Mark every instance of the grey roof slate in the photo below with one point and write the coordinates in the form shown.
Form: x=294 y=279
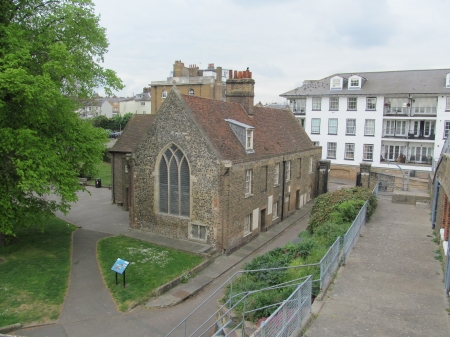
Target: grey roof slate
x=380 y=83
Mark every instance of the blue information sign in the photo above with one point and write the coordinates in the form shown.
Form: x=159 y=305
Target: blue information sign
x=120 y=266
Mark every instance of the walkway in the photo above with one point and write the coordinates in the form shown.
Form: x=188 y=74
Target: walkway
x=392 y=284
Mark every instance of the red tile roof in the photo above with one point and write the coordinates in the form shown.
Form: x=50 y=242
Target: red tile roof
x=133 y=133
x=276 y=131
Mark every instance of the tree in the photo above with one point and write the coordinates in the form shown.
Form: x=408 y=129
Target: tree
x=120 y=121
x=50 y=53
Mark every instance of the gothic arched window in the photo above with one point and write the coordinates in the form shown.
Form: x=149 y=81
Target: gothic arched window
x=174 y=183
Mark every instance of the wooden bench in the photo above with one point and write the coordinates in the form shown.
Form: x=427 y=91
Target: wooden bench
x=82 y=181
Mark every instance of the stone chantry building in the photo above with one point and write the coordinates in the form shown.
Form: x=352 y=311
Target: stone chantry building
x=220 y=172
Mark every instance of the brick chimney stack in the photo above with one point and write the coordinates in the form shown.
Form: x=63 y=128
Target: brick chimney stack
x=241 y=89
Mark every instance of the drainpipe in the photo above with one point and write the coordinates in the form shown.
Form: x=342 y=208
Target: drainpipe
x=434 y=207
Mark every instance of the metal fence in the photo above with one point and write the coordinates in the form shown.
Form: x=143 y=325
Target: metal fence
x=447 y=273
x=290 y=315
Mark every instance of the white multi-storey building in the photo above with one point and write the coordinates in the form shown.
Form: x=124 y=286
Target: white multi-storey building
x=379 y=117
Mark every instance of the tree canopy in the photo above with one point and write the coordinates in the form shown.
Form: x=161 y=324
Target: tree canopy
x=50 y=57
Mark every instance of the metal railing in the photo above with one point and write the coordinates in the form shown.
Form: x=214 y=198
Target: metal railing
x=291 y=314
x=352 y=234
x=423 y=111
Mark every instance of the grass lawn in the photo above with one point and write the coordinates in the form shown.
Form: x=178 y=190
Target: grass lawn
x=150 y=267
x=104 y=173
x=34 y=276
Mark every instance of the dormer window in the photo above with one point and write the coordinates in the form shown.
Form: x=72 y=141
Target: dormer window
x=244 y=133
x=354 y=82
x=447 y=81
x=336 y=82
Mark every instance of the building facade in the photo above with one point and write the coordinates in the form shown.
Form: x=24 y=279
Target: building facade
x=378 y=117
x=220 y=172
x=191 y=80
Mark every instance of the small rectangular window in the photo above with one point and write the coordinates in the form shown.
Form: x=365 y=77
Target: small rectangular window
x=317 y=103
x=447 y=108
x=311 y=164
x=315 y=125
x=352 y=103
x=368 y=152
x=249 y=140
x=371 y=103
x=446 y=129
x=264 y=177
x=247 y=224
x=275 y=210
x=288 y=170
x=351 y=127
x=331 y=150
x=334 y=103
x=276 y=174
x=369 y=127
x=316 y=143
x=198 y=232
x=248 y=182
x=142 y=103
x=332 y=126
x=354 y=82
x=349 y=151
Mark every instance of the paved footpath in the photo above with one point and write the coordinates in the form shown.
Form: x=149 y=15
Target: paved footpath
x=391 y=285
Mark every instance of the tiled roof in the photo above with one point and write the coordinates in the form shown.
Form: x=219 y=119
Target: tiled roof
x=133 y=133
x=380 y=83
x=276 y=131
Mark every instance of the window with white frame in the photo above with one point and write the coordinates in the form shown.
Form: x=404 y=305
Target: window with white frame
x=247 y=224
x=311 y=164
x=315 y=125
x=288 y=170
x=164 y=94
x=392 y=152
x=368 y=152
x=142 y=103
x=198 y=232
x=369 y=127
x=336 y=83
x=301 y=120
x=317 y=103
x=316 y=143
x=334 y=103
x=349 y=151
x=332 y=126
x=331 y=150
x=301 y=105
x=446 y=129
x=191 y=92
x=447 y=107
x=371 y=103
x=275 y=210
x=249 y=140
x=276 y=174
x=352 y=103
x=354 y=83
x=248 y=182
x=351 y=127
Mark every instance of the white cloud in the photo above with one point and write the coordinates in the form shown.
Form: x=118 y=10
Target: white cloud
x=283 y=42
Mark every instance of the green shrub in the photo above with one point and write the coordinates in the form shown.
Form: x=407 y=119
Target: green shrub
x=327 y=234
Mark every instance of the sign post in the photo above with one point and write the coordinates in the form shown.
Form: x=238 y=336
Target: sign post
x=119 y=267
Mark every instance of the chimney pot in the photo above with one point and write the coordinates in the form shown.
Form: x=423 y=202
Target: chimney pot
x=230 y=73
x=235 y=74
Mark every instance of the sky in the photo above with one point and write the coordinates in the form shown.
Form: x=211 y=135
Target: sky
x=283 y=42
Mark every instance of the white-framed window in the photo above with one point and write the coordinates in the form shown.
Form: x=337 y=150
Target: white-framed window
x=164 y=94
x=446 y=129
x=317 y=103
x=288 y=170
x=368 y=152
x=351 y=127
x=301 y=120
x=371 y=103
x=249 y=140
x=447 y=81
x=174 y=183
x=316 y=143
x=352 y=103
x=349 y=151
x=336 y=83
x=334 y=103
x=332 y=126
x=421 y=154
x=276 y=174
x=142 y=103
x=301 y=105
x=369 y=127
x=275 y=210
x=427 y=128
x=198 y=232
x=447 y=106
x=248 y=182
x=247 y=224
x=392 y=152
x=191 y=92
x=315 y=125
x=354 y=83
x=331 y=150
x=311 y=164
